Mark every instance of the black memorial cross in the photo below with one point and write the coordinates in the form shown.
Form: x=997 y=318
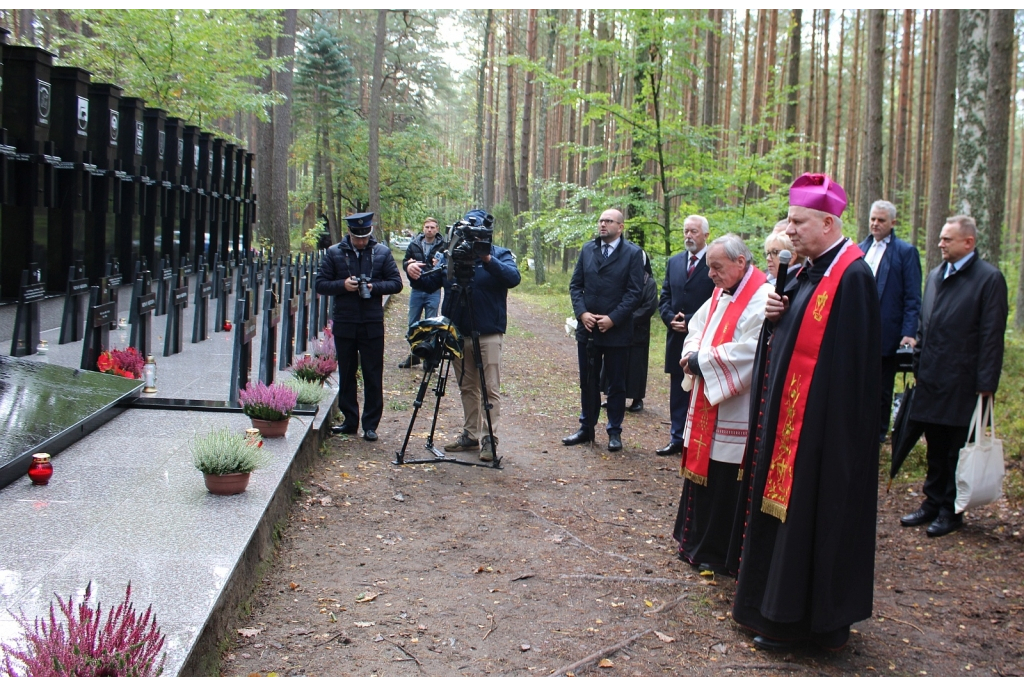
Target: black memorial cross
x=72 y=322
x=165 y=276
x=114 y=276
x=26 y=318
x=203 y=289
x=223 y=289
x=101 y=312
x=143 y=304
x=268 y=343
x=302 y=321
x=179 y=301
x=241 y=356
x=287 y=322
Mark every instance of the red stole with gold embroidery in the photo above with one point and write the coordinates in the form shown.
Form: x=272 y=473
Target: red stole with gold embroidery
x=704 y=415
x=779 y=486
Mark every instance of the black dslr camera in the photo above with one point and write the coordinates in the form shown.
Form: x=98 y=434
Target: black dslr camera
x=364 y=286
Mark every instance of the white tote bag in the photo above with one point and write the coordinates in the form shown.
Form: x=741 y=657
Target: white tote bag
x=979 y=471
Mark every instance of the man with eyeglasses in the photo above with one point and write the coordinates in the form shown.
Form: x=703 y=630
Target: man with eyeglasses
x=963 y=322
x=897 y=269
x=686 y=287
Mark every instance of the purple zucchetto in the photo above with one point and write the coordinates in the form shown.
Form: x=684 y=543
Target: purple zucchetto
x=818 y=191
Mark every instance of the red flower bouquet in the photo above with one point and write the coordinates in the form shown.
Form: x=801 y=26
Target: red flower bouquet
x=127 y=362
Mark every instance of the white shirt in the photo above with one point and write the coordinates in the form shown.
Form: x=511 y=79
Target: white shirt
x=611 y=246
x=875 y=252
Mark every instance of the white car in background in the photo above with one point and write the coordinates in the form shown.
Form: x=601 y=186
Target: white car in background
x=400 y=242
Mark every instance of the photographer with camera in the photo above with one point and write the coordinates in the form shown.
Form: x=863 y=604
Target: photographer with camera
x=487 y=271
x=419 y=257
x=358 y=272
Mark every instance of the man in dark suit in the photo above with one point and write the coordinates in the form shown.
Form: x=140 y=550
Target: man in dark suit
x=686 y=287
x=963 y=322
x=897 y=269
x=606 y=287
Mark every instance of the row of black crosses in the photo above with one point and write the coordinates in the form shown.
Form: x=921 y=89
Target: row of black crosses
x=289 y=300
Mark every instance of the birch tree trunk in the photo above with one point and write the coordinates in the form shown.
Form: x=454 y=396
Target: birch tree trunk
x=971 y=80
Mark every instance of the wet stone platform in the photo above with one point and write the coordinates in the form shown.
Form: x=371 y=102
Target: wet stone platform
x=125 y=503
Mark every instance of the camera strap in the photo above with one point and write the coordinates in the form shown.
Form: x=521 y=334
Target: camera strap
x=357 y=272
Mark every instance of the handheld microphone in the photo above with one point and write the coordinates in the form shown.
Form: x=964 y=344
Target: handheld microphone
x=783 y=275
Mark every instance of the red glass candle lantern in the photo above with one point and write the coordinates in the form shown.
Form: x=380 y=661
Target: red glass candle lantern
x=41 y=469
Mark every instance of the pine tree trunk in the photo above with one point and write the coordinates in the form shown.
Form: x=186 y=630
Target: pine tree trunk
x=282 y=133
x=265 y=151
x=490 y=135
x=939 y=172
x=929 y=26
x=823 y=119
x=793 y=83
x=725 y=117
x=478 y=146
x=871 y=163
x=377 y=85
x=997 y=120
x=527 y=128
x=971 y=80
x=839 y=95
x=711 y=80
x=853 y=115
x=601 y=86
x=903 y=122
x=745 y=78
x=891 y=121
x=753 y=190
x=511 y=189
x=541 y=168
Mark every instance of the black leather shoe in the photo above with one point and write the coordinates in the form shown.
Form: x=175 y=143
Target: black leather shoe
x=670 y=449
x=918 y=518
x=614 y=442
x=410 y=361
x=638 y=405
x=944 y=525
x=344 y=429
x=370 y=435
x=580 y=436
x=768 y=644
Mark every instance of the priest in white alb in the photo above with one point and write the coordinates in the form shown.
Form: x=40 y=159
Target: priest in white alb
x=718 y=359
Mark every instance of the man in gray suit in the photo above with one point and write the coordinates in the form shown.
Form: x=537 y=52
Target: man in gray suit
x=605 y=288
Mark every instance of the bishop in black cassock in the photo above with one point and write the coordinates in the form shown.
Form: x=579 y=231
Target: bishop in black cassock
x=804 y=542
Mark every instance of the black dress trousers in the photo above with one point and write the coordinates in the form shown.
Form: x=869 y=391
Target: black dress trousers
x=367 y=349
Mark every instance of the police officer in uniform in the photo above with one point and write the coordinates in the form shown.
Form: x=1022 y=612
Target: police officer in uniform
x=358 y=272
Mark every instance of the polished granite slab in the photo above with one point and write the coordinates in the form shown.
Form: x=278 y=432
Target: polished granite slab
x=44 y=408
x=126 y=504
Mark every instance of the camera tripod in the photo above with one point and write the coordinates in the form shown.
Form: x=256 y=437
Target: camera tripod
x=440 y=360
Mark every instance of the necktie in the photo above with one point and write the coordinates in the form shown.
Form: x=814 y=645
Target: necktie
x=606 y=249
x=693 y=265
x=951 y=270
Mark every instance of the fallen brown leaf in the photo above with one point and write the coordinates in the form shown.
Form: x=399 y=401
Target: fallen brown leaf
x=605 y=663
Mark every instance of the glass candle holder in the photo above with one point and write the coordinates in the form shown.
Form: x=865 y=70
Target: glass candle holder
x=41 y=469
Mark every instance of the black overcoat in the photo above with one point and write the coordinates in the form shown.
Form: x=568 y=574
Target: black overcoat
x=815 y=571
x=611 y=287
x=963 y=321
x=682 y=294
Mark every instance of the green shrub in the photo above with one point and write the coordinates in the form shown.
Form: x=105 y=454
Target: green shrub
x=309 y=392
x=222 y=451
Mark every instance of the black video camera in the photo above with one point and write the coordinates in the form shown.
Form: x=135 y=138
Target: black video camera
x=469 y=239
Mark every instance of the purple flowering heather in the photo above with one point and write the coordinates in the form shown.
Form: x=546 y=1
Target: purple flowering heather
x=270 y=403
x=324 y=348
x=314 y=369
x=126 y=645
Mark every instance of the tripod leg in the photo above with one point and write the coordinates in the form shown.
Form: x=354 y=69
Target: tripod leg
x=415 y=410
x=442 y=383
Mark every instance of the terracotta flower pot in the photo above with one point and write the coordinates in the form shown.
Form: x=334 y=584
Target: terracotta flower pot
x=271 y=429
x=228 y=484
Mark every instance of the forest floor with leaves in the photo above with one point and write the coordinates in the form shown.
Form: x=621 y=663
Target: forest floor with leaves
x=565 y=555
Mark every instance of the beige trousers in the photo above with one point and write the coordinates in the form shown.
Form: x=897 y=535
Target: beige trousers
x=475 y=420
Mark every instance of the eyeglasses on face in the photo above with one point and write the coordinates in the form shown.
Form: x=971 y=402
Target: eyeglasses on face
x=771 y=254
